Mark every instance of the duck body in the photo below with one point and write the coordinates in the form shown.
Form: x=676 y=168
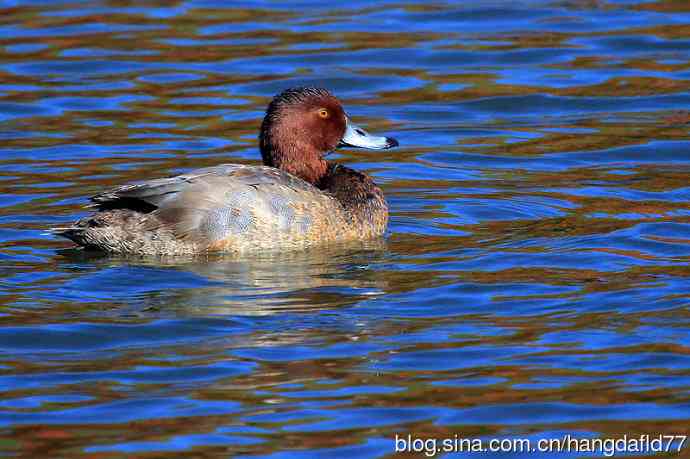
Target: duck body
x=304 y=201
x=232 y=208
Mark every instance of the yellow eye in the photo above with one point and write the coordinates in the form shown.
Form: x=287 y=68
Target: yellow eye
x=323 y=113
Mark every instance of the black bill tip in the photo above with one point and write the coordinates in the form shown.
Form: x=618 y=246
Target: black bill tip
x=391 y=142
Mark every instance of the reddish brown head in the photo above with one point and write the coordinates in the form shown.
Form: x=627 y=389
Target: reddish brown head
x=302 y=125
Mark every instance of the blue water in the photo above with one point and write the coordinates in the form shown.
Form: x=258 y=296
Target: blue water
x=534 y=281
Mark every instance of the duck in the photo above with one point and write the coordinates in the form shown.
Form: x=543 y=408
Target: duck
x=296 y=199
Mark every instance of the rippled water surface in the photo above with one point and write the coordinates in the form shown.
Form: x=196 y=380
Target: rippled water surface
x=534 y=281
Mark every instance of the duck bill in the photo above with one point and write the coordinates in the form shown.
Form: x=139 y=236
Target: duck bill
x=355 y=136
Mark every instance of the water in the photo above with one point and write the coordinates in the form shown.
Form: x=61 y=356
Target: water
x=534 y=282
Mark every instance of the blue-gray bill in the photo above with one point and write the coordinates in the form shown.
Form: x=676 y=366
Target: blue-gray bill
x=355 y=136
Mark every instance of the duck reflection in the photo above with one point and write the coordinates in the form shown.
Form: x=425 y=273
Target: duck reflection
x=256 y=284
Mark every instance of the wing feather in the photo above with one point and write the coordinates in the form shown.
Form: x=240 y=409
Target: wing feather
x=229 y=201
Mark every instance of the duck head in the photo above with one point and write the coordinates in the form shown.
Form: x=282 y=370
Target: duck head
x=302 y=125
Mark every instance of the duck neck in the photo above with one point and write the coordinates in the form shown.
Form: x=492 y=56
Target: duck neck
x=296 y=158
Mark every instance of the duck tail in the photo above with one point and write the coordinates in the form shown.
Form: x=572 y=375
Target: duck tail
x=121 y=231
x=86 y=231
x=73 y=233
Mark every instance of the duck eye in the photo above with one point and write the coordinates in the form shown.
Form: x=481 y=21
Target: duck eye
x=323 y=113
